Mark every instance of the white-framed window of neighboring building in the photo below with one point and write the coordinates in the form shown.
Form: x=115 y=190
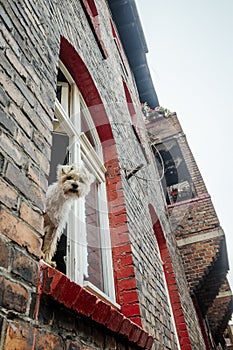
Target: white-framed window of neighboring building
x=84 y=250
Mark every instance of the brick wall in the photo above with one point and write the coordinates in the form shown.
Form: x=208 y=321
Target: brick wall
x=30 y=43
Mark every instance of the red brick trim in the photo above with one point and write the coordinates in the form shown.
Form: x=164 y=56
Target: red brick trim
x=92 y=13
x=118 y=46
x=55 y=284
x=130 y=105
x=201 y=322
x=133 y=116
x=180 y=322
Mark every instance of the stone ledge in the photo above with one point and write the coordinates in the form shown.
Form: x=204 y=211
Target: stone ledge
x=55 y=284
x=200 y=237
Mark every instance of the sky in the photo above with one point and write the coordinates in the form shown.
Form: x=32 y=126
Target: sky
x=190 y=58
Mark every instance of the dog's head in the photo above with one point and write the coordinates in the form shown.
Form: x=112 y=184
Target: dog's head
x=75 y=180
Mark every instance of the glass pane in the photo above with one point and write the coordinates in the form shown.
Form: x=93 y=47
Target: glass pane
x=59 y=89
x=63 y=91
x=95 y=267
x=84 y=125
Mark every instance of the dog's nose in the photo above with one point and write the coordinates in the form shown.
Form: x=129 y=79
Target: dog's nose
x=75 y=186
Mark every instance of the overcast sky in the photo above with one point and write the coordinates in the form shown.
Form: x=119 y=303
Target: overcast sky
x=191 y=62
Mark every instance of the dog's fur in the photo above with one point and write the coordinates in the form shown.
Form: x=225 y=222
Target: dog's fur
x=72 y=183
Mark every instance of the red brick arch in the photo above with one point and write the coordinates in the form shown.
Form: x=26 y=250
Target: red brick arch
x=180 y=323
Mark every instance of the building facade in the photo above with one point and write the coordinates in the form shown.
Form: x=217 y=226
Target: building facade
x=132 y=270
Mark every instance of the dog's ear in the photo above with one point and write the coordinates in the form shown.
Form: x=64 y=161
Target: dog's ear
x=62 y=170
x=89 y=176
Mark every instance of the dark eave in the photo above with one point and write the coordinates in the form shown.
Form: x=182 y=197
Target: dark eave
x=125 y=16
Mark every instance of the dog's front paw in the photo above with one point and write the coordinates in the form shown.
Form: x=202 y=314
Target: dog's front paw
x=48 y=260
x=52 y=263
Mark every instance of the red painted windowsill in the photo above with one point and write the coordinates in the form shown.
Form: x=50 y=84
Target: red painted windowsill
x=59 y=287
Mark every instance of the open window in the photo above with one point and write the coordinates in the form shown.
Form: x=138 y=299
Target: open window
x=84 y=250
x=177 y=182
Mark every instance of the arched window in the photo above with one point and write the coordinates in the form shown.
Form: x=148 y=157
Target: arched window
x=84 y=251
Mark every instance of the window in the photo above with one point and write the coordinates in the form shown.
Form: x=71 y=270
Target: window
x=84 y=250
x=177 y=182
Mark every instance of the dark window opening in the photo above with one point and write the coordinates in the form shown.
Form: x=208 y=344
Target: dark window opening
x=63 y=91
x=177 y=183
x=59 y=155
x=86 y=128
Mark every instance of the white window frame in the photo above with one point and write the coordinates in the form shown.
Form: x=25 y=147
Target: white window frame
x=80 y=149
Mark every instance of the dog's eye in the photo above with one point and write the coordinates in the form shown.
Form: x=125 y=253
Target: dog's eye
x=81 y=180
x=69 y=178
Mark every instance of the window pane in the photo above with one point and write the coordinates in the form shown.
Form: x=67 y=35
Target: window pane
x=95 y=267
x=84 y=125
x=63 y=91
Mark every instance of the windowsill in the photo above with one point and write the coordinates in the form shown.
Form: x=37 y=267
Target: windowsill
x=87 y=303
x=101 y=295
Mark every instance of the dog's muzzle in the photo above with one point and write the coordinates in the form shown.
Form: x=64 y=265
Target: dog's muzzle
x=74 y=188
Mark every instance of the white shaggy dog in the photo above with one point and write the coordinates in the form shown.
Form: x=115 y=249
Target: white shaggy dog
x=72 y=183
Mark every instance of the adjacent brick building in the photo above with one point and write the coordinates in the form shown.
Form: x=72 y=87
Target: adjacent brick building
x=198 y=233
x=135 y=262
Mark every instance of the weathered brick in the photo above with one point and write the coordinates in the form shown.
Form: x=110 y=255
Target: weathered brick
x=5 y=253
x=12 y=91
x=32 y=217
x=115 y=321
x=6 y=18
x=20 y=233
x=4 y=98
x=101 y=313
x=10 y=41
x=37 y=176
x=48 y=341
x=25 y=185
x=8 y=195
x=7 y=123
x=127 y=284
x=72 y=345
x=13 y=296
x=21 y=119
x=15 y=62
x=19 y=336
x=25 y=267
x=12 y=149
x=86 y=302
x=1 y=161
x=25 y=91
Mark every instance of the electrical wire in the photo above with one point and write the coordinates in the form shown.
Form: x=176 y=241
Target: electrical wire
x=142 y=178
